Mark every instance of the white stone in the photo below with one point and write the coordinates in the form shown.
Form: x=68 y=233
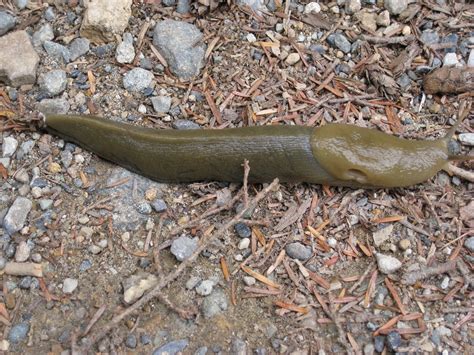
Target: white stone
x=249 y=281
x=352 y=6
x=387 y=264
x=470 y=60
x=205 y=288
x=395 y=7
x=450 y=59
x=467 y=138
x=312 y=8
x=251 y=37
x=9 y=146
x=244 y=243
x=69 y=285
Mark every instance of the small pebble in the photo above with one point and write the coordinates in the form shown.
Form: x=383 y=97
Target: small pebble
x=161 y=104
x=45 y=204
x=18 y=332
x=404 y=244
x=388 y=264
x=292 y=58
x=243 y=230
x=172 y=348
x=250 y=37
x=312 y=7
x=69 y=285
x=9 y=146
x=137 y=79
x=445 y=283
x=131 y=341
x=125 y=52
x=395 y=7
x=469 y=244
x=249 y=281
x=183 y=247
x=22 y=252
x=393 y=340
x=192 y=282
x=7 y=22
x=466 y=139
x=205 y=288
x=450 y=59
x=244 y=243
x=299 y=251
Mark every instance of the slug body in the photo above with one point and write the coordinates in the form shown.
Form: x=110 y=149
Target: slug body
x=334 y=154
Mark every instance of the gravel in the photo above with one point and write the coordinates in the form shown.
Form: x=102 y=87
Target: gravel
x=78 y=48
x=298 y=251
x=387 y=264
x=57 y=51
x=70 y=285
x=45 y=33
x=125 y=52
x=137 y=79
x=172 y=348
x=53 y=83
x=205 y=288
x=243 y=230
x=338 y=40
x=9 y=146
x=214 y=304
x=18 y=332
x=183 y=247
x=395 y=7
x=161 y=104
x=22 y=252
x=7 y=22
x=159 y=205
x=185 y=124
x=469 y=244
x=131 y=341
x=466 y=139
x=17 y=214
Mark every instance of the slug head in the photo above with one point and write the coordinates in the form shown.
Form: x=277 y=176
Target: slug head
x=363 y=157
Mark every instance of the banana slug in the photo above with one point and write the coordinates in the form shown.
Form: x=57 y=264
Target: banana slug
x=334 y=154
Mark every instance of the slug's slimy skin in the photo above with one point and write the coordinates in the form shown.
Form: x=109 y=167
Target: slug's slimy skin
x=334 y=154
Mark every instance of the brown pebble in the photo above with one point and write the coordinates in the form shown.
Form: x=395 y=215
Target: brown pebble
x=10 y=300
x=404 y=244
x=129 y=323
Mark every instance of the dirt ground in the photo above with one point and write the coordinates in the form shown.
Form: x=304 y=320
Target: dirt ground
x=336 y=300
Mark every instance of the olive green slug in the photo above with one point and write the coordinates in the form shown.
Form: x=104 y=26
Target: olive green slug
x=334 y=154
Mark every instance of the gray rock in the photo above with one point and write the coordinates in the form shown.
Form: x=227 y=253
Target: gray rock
x=176 y=41
x=66 y=158
x=393 y=340
x=352 y=6
x=159 y=205
x=192 y=282
x=21 y=4
x=45 y=33
x=18 y=332
x=17 y=214
x=256 y=5
x=7 y=22
x=19 y=60
x=168 y=2
x=137 y=79
x=183 y=6
x=52 y=106
x=6 y=163
x=369 y=349
x=57 y=51
x=172 y=348
x=22 y=252
x=470 y=60
x=243 y=230
x=214 y=304
x=70 y=285
x=125 y=52
x=143 y=207
x=395 y=7
x=338 y=40
x=9 y=146
x=469 y=244
x=467 y=138
x=387 y=264
x=201 y=351
x=49 y=14
x=161 y=104
x=53 y=83
x=78 y=48
x=238 y=347
x=429 y=37
x=185 y=124
x=183 y=247
x=131 y=341
x=124 y=217
x=379 y=343
x=439 y=332
x=382 y=235
x=3 y=262
x=298 y=251
x=205 y=288
x=45 y=204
